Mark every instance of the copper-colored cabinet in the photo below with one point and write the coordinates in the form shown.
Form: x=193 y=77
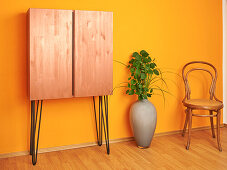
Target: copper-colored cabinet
x=93 y=53
x=50 y=53
x=70 y=53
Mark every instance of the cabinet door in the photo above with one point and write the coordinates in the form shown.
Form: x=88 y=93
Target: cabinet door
x=50 y=53
x=93 y=53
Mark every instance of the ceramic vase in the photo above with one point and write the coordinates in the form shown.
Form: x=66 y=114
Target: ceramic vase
x=143 y=119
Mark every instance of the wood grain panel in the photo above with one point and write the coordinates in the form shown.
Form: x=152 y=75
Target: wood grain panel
x=93 y=53
x=50 y=45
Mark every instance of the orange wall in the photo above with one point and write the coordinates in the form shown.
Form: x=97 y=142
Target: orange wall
x=175 y=32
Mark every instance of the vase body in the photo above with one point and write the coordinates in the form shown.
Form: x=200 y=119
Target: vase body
x=143 y=119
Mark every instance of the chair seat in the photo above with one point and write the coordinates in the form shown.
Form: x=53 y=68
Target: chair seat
x=204 y=104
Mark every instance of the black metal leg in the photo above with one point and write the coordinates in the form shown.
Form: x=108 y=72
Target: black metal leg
x=102 y=124
x=34 y=119
x=107 y=125
x=97 y=133
x=100 y=120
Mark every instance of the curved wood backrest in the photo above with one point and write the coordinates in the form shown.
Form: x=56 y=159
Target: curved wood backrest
x=185 y=78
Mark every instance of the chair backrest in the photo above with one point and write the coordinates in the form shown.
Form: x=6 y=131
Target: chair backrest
x=185 y=78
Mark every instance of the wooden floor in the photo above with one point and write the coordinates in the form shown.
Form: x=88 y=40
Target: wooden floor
x=166 y=152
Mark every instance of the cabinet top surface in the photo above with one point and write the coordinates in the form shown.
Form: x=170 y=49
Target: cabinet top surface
x=63 y=10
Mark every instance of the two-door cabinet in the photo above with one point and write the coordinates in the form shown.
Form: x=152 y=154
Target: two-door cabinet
x=70 y=55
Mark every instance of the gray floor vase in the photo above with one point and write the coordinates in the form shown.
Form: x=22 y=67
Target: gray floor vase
x=143 y=119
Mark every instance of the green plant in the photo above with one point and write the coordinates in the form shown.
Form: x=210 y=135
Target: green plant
x=144 y=76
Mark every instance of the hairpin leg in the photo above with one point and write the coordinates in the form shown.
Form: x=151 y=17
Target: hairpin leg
x=107 y=125
x=102 y=123
x=32 y=122
x=34 y=119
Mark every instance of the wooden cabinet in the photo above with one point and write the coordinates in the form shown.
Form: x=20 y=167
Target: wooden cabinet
x=70 y=53
x=50 y=53
x=93 y=53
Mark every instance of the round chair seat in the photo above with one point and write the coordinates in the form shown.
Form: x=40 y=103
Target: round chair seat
x=204 y=104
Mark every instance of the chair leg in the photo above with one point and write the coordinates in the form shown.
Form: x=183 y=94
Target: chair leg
x=218 y=130
x=189 y=127
x=185 y=123
x=212 y=124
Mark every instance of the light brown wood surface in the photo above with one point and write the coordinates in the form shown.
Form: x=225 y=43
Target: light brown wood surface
x=82 y=145
x=165 y=152
x=50 y=44
x=93 y=53
x=203 y=104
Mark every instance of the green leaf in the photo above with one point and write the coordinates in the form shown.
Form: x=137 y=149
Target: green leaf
x=131 y=92
x=146 y=60
x=148 y=95
x=133 y=81
x=132 y=70
x=140 y=97
x=131 y=61
x=135 y=54
x=137 y=73
x=147 y=66
x=128 y=85
x=156 y=72
x=143 y=76
x=150 y=71
x=137 y=92
x=149 y=59
x=133 y=87
x=138 y=57
x=152 y=65
x=144 y=96
x=129 y=78
x=146 y=89
x=151 y=90
x=136 y=63
x=138 y=66
x=140 y=86
x=127 y=91
x=128 y=66
x=144 y=53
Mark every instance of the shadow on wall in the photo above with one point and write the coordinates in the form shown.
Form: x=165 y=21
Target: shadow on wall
x=181 y=93
x=23 y=36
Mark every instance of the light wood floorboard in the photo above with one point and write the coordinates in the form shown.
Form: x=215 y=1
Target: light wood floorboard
x=166 y=152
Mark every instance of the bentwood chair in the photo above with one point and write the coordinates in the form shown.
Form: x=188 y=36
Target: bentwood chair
x=212 y=104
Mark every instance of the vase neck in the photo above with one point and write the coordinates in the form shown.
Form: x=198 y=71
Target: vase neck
x=144 y=100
